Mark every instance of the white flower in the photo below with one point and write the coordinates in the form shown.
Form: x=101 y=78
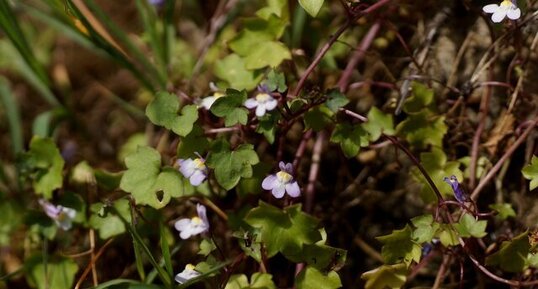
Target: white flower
x=195 y=225
x=188 y=273
x=62 y=216
x=262 y=102
x=194 y=169
x=207 y=102
x=507 y=8
x=282 y=182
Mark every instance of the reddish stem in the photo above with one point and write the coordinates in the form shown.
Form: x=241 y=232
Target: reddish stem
x=358 y=56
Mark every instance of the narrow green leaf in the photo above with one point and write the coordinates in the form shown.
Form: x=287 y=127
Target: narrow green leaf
x=11 y=109
x=312 y=7
x=165 y=249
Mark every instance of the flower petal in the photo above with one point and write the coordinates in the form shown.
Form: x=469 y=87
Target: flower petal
x=207 y=102
x=293 y=189
x=186 y=167
x=202 y=214
x=270 y=104
x=260 y=110
x=269 y=182
x=251 y=103
x=197 y=178
x=514 y=13
x=498 y=16
x=491 y=8
x=278 y=191
x=182 y=224
x=185 y=234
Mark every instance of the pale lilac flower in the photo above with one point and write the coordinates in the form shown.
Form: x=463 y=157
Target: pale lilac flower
x=207 y=102
x=156 y=2
x=507 y=8
x=194 y=226
x=187 y=274
x=263 y=102
x=459 y=194
x=194 y=169
x=282 y=182
x=62 y=216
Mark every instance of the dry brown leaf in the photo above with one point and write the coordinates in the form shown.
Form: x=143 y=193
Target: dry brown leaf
x=503 y=127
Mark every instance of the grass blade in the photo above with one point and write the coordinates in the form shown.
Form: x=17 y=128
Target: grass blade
x=165 y=250
x=13 y=116
x=122 y=37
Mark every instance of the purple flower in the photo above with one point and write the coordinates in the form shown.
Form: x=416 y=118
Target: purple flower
x=193 y=169
x=62 y=216
x=194 y=226
x=156 y=2
x=263 y=102
x=459 y=194
x=282 y=182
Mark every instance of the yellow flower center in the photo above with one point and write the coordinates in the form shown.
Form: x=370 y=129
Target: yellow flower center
x=262 y=97
x=197 y=221
x=283 y=177
x=61 y=217
x=189 y=267
x=199 y=164
x=218 y=94
x=506 y=3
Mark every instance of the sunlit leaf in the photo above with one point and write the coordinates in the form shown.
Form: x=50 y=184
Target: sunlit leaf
x=232 y=70
x=512 y=255
x=530 y=172
x=270 y=53
x=378 y=123
x=423 y=129
x=438 y=167
x=400 y=247
x=257 y=281
x=163 y=111
x=504 y=210
x=312 y=278
x=232 y=165
x=336 y=100
x=425 y=228
x=386 y=276
x=108 y=224
x=47 y=164
x=149 y=183
x=60 y=273
x=470 y=227
x=231 y=108
x=284 y=231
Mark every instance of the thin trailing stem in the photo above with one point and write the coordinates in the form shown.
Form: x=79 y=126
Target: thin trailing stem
x=349 y=22
x=358 y=55
x=491 y=174
x=484 y=104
